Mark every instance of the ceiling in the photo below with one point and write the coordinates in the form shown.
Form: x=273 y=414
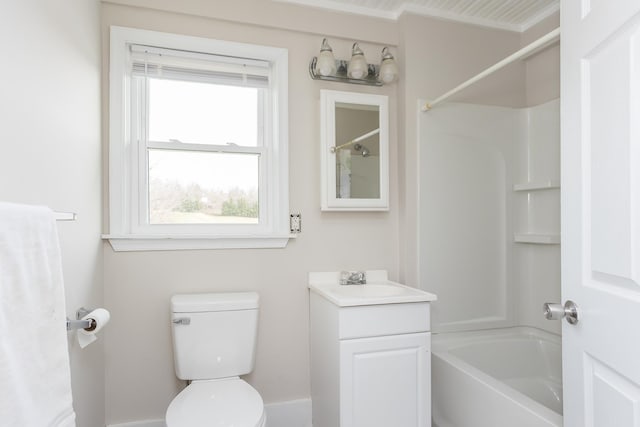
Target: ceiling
x=513 y=15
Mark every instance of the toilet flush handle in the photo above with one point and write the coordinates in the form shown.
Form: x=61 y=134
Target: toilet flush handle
x=182 y=321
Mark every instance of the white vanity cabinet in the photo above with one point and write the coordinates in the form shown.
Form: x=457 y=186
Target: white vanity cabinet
x=370 y=359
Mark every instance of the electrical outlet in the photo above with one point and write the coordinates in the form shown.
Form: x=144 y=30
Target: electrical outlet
x=295 y=223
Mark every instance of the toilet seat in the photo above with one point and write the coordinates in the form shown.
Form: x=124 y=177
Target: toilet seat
x=228 y=402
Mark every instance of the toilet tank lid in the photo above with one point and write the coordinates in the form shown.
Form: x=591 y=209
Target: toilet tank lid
x=191 y=303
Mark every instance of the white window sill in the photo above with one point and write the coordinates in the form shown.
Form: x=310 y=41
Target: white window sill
x=129 y=243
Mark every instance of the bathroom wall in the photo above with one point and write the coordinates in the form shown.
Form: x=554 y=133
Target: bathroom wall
x=433 y=56
x=284 y=16
x=50 y=152
x=534 y=270
x=52 y=155
x=539 y=265
x=542 y=78
x=475 y=159
x=532 y=155
x=466 y=223
x=140 y=380
x=439 y=55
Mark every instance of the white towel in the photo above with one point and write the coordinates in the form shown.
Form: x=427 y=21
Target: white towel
x=35 y=383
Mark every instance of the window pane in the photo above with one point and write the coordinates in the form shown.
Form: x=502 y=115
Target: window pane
x=203 y=113
x=187 y=187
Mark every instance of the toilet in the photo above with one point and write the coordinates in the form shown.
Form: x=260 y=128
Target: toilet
x=214 y=338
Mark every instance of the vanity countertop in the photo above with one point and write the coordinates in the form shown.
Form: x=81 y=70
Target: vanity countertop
x=378 y=290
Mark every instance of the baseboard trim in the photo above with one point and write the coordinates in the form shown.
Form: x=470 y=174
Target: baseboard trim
x=292 y=413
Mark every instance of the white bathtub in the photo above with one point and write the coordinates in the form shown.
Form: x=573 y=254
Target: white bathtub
x=497 y=378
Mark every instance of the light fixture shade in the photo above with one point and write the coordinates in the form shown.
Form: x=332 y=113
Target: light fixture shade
x=326 y=64
x=357 y=68
x=388 y=68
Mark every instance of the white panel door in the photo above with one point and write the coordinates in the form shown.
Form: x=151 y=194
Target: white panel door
x=601 y=211
x=385 y=381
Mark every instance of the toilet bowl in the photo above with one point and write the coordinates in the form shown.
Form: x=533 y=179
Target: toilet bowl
x=217 y=403
x=214 y=339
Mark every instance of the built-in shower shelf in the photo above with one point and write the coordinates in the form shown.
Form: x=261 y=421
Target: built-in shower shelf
x=537 y=239
x=537 y=185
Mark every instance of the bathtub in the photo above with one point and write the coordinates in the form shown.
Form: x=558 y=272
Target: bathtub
x=497 y=378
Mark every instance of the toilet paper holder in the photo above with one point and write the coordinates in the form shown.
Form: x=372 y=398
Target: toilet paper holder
x=79 y=323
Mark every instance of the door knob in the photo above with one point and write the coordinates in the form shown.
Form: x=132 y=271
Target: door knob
x=555 y=311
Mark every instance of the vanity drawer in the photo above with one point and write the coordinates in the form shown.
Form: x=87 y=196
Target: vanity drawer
x=384 y=319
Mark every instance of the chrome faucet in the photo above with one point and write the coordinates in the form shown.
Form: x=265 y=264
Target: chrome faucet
x=353 y=278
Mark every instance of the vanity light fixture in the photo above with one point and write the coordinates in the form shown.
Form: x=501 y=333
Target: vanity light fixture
x=356 y=70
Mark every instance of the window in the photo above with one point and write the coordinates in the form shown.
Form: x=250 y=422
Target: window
x=198 y=143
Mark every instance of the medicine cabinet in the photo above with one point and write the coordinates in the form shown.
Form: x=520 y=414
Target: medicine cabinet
x=354 y=151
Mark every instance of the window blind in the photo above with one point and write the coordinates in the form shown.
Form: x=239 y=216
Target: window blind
x=148 y=61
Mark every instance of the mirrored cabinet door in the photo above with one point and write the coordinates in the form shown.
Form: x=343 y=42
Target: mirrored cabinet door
x=355 y=151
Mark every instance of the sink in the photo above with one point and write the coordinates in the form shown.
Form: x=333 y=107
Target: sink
x=378 y=290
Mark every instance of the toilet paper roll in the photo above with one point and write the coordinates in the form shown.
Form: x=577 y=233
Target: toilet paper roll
x=101 y=317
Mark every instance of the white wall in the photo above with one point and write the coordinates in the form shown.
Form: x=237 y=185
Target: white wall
x=466 y=204
x=537 y=267
x=542 y=71
x=437 y=59
x=433 y=55
x=50 y=151
x=140 y=379
x=472 y=155
x=51 y=155
x=437 y=56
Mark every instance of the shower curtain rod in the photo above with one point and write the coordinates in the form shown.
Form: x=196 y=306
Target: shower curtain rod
x=355 y=140
x=523 y=53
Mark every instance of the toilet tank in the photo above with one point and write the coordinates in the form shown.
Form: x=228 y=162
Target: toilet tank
x=214 y=334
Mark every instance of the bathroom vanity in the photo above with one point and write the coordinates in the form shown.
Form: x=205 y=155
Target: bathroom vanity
x=370 y=352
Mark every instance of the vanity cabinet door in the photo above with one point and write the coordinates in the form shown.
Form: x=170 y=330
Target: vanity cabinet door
x=386 y=381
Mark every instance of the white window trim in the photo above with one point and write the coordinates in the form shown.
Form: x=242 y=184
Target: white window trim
x=123 y=185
